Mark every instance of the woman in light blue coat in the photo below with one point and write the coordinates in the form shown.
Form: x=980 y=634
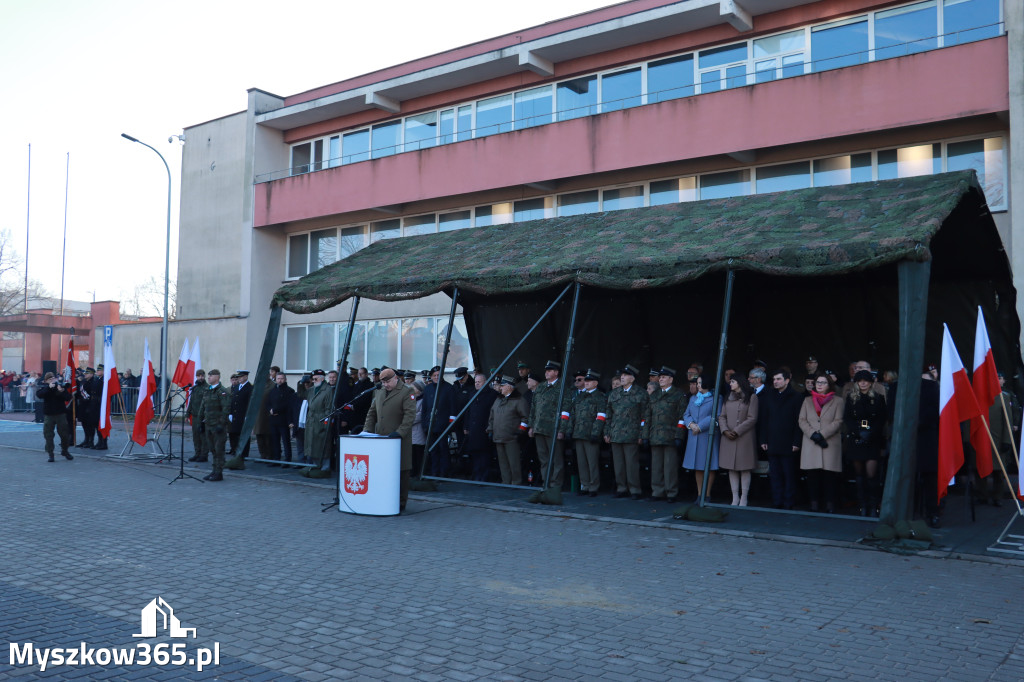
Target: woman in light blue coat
x=699 y=418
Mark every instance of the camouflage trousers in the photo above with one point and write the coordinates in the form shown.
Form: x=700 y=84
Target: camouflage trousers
x=60 y=422
x=626 y=458
x=544 y=454
x=215 y=444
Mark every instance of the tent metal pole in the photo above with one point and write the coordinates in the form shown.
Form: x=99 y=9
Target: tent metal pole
x=259 y=388
x=502 y=364
x=440 y=380
x=561 y=388
x=897 y=498
x=343 y=360
x=723 y=342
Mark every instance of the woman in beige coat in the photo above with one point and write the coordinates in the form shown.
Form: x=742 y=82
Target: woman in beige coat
x=821 y=455
x=737 y=452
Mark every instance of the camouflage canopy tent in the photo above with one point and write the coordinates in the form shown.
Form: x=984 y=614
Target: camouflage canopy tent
x=851 y=271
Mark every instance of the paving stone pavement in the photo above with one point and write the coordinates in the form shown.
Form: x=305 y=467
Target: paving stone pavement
x=449 y=592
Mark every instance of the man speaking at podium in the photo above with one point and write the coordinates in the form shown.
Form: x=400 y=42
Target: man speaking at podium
x=392 y=412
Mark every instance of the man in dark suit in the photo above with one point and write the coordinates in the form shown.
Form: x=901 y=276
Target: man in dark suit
x=236 y=416
x=780 y=436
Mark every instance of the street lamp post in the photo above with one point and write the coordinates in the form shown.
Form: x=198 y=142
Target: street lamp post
x=164 y=384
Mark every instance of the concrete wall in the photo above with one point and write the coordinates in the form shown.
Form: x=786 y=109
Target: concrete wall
x=1013 y=13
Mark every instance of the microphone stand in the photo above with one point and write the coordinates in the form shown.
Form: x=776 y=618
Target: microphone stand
x=329 y=418
x=181 y=450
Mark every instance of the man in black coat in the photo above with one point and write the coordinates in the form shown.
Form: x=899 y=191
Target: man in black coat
x=780 y=436
x=442 y=392
x=478 y=444
x=357 y=415
x=236 y=416
x=282 y=418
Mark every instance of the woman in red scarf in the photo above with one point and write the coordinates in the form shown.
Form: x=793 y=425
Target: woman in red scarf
x=821 y=456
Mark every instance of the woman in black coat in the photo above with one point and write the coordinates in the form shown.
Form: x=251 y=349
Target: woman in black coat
x=864 y=422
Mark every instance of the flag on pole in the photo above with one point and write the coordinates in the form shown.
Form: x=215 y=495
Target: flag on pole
x=144 y=407
x=71 y=369
x=957 y=403
x=111 y=383
x=986 y=389
x=194 y=364
x=180 y=378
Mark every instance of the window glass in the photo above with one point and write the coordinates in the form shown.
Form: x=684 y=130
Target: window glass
x=352 y=239
x=964 y=21
x=986 y=158
x=447 y=126
x=841 y=43
x=355 y=146
x=623 y=197
x=418 y=343
x=792 y=65
x=320 y=347
x=495 y=214
x=318 y=155
x=533 y=209
x=382 y=343
x=620 y=90
x=673 y=191
x=334 y=152
x=454 y=221
x=494 y=115
x=720 y=56
x=323 y=248
x=577 y=98
x=736 y=76
x=357 y=345
x=459 y=354
x=909 y=162
x=842 y=170
x=385 y=138
x=420 y=224
x=773 y=45
x=577 y=203
x=783 y=177
x=298 y=251
x=764 y=71
x=420 y=131
x=670 y=79
x=465 y=121
x=385 y=229
x=533 y=107
x=295 y=349
x=711 y=81
x=301 y=156
x=905 y=30
x=727 y=184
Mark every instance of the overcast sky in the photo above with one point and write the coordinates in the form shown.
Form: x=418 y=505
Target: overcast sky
x=75 y=75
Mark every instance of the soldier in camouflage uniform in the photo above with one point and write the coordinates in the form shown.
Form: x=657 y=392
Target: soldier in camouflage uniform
x=587 y=427
x=665 y=430
x=214 y=415
x=195 y=403
x=542 y=423
x=624 y=416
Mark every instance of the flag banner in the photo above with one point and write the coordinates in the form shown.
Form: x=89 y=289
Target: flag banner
x=144 y=407
x=193 y=364
x=180 y=376
x=111 y=382
x=986 y=388
x=957 y=403
x=71 y=369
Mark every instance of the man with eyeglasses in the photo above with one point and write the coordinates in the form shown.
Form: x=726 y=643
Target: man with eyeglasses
x=392 y=412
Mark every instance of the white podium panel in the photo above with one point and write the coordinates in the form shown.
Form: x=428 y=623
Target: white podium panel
x=370 y=473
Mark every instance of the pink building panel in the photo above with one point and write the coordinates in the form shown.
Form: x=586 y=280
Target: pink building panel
x=929 y=87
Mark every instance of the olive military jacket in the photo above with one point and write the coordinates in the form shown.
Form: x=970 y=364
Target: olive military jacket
x=215 y=408
x=317 y=432
x=392 y=411
x=542 y=409
x=625 y=413
x=507 y=416
x=665 y=415
x=195 y=402
x=588 y=416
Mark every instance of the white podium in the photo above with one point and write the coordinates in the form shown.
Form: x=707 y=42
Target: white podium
x=370 y=474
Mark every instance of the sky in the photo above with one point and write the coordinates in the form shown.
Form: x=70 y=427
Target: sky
x=76 y=75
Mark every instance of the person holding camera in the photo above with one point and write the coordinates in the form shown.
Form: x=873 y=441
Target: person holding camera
x=214 y=416
x=864 y=418
x=821 y=457
x=55 y=397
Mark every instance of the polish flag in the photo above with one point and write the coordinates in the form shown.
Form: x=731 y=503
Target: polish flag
x=71 y=370
x=194 y=364
x=180 y=376
x=957 y=403
x=986 y=390
x=111 y=383
x=144 y=408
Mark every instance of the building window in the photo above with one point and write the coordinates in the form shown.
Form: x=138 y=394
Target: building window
x=533 y=209
x=386 y=138
x=323 y=248
x=722 y=185
x=780 y=56
x=621 y=90
x=783 y=177
x=457 y=220
x=578 y=203
x=357 y=345
x=719 y=68
x=494 y=115
x=842 y=170
x=909 y=162
x=533 y=107
x=295 y=349
x=320 y=347
x=355 y=146
x=987 y=159
x=904 y=30
x=670 y=79
x=307 y=157
x=964 y=21
x=623 y=197
x=382 y=343
x=352 y=240
x=839 y=44
x=577 y=98
x=298 y=255
x=334 y=151
x=420 y=224
x=418 y=343
x=673 y=191
x=459 y=354
x=495 y=214
x=420 y=131
x=385 y=229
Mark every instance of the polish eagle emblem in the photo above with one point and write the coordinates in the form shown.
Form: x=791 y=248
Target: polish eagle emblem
x=357 y=474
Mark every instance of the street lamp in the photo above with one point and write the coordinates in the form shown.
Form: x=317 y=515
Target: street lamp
x=164 y=385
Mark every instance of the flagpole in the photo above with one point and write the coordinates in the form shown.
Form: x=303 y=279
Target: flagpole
x=28 y=213
x=995 y=449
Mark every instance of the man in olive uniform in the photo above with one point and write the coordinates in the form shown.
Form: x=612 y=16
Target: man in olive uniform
x=318 y=449
x=587 y=428
x=624 y=416
x=195 y=403
x=665 y=430
x=392 y=412
x=546 y=426
x=214 y=414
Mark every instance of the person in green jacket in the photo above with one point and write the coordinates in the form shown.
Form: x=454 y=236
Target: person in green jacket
x=624 y=417
x=587 y=429
x=543 y=426
x=665 y=430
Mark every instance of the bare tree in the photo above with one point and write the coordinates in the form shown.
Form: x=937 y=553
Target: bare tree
x=147 y=299
x=12 y=279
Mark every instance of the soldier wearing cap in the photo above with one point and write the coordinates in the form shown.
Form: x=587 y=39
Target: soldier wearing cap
x=439 y=391
x=587 y=428
x=195 y=404
x=507 y=420
x=523 y=373
x=392 y=412
x=665 y=429
x=547 y=427
x=624 y=418
x=240 y=398
x=409 y=377
x=317 y=445
x=214 y=414
x=87 y=406
x=464 y=388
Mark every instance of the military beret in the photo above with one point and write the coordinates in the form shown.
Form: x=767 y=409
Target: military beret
x=551 y=364
x=461 y=371
x=318 y=373
x=591 y=375
x=666 y=372
x=386 y=374
x=630 y=370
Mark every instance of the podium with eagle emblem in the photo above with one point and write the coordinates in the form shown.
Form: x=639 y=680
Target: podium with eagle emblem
x=368 y=482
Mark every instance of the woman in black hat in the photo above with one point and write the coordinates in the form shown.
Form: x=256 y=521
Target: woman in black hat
x=864 y=418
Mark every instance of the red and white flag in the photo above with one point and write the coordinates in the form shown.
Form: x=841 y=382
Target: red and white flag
x=144 y=408
x=194 y=364
x=71 y=369
x=957 y=403
x=111 y=382
x=181 y=376
x=986 y=389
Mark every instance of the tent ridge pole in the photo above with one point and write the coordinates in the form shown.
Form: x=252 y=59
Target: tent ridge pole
x=440 y=380
x=561 y=389
x=730 y=277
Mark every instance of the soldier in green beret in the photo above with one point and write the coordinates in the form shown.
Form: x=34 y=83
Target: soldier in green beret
x=624 y=417
x=664 y=429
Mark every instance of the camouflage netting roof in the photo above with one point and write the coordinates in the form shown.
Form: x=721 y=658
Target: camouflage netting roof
x=819 y=231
